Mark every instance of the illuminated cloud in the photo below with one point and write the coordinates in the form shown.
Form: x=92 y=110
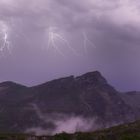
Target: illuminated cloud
x=112 y=26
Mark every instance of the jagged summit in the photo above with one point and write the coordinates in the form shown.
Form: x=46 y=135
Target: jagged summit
x=92 y=77
x=92 y=73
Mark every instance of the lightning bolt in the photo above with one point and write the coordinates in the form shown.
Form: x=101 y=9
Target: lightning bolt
x=52 y=42
x=55 y=37
x=4 y=38
x=87 y=42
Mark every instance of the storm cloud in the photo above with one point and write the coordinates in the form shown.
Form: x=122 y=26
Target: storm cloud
x=88 y=35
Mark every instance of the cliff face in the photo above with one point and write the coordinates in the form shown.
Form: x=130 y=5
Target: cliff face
x=74 y=100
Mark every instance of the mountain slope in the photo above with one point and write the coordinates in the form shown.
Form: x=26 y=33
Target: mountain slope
x=133 y=100
x=53 y=106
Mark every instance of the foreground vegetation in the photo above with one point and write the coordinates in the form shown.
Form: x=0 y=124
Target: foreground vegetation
x=122 y=132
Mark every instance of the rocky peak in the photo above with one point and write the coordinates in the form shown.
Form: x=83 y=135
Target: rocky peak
x=92 y=78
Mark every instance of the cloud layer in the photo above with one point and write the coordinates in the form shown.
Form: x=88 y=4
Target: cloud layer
x=51 y=38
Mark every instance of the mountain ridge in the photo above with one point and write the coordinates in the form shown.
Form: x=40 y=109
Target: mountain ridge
x=92 y=73
x=54 y=105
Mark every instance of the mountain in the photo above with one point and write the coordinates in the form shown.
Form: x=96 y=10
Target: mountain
x=68 y=104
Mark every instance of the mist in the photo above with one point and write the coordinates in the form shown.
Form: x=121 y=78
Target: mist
x=65 y=123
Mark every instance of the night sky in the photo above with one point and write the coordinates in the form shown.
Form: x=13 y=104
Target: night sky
x=41 y=40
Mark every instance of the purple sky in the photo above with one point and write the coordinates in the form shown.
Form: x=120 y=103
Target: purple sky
x=45 y=39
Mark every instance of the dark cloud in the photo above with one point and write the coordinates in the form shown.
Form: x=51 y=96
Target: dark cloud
x=111 y=29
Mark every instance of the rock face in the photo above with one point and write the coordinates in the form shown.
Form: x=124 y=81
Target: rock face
x=133 y=100
x=73 y=100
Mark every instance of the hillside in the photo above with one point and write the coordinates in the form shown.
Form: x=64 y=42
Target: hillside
x=129 y=131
